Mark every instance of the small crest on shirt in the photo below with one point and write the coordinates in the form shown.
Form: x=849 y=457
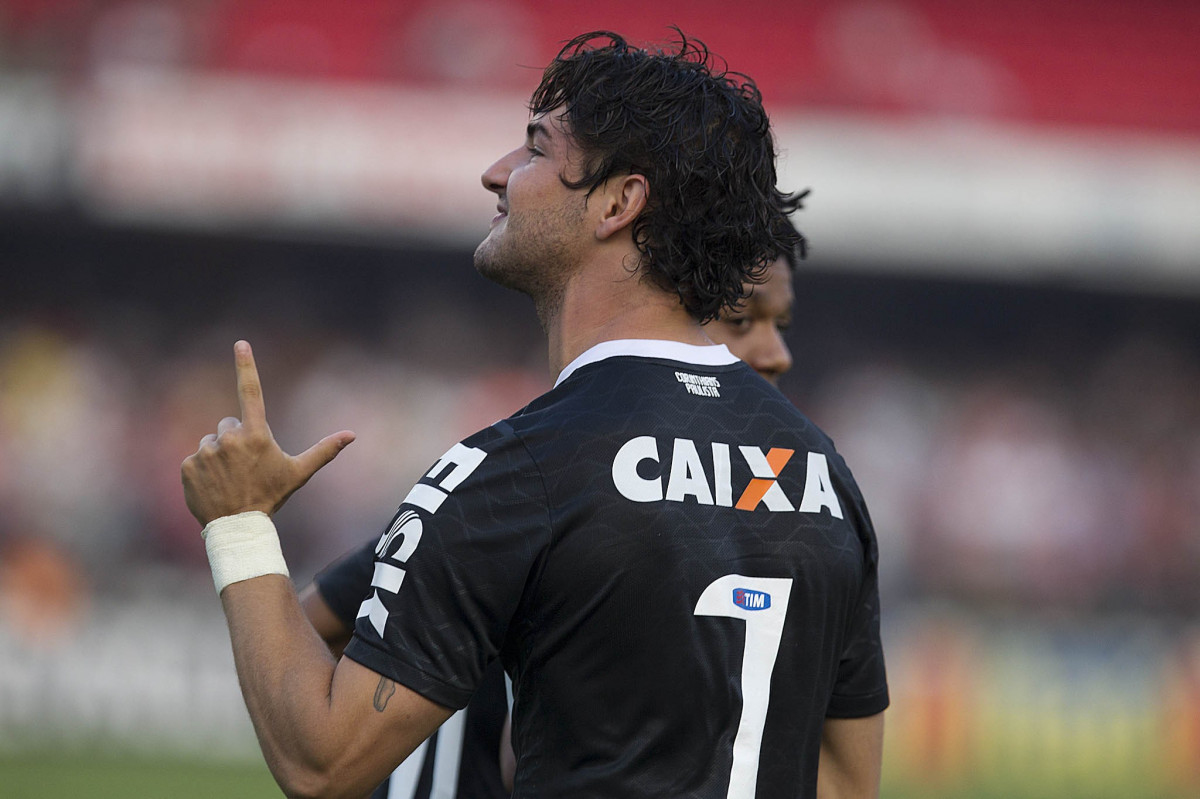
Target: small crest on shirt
x=699 y=385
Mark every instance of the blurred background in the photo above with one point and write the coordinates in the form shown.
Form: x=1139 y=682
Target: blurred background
x=999 y=325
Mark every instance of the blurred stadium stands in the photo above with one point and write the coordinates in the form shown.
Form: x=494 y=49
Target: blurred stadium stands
x=999 y=325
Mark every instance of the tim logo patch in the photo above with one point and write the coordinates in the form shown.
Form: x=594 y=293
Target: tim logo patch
x=747 y=599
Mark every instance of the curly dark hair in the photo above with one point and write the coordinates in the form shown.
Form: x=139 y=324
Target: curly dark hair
x=799 y=250
x=700 y=136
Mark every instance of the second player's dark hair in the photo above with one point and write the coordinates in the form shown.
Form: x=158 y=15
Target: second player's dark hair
x=700 y=136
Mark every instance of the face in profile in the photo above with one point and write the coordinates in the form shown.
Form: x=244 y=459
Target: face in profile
x=754 y=330
x=537 y=236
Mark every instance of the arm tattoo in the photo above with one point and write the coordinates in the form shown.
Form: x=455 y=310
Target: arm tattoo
x=383 y=692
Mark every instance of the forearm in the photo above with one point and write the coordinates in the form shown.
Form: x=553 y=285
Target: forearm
x=286 y=675
x=325 y=728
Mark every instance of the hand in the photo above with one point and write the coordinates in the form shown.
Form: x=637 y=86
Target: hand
x=241 y=467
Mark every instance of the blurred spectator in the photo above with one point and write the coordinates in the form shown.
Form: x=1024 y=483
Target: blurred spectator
x=43 y=596
x=65 y=421
x=883 y=419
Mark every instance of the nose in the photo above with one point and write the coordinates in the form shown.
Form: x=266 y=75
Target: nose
x=495 y=177
x=771 y=357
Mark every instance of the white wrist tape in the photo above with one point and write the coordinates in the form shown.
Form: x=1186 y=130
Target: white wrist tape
x=242 y=546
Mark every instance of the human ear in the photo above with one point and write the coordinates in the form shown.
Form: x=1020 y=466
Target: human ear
x=623 y=198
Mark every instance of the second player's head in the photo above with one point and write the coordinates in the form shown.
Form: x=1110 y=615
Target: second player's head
x=754 y=329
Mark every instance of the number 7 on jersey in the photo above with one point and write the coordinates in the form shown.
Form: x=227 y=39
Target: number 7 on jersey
x=762 y=603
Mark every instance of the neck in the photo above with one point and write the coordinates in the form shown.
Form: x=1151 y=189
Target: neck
x=605 y=304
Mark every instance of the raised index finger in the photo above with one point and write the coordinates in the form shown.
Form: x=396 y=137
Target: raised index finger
x=249 y=387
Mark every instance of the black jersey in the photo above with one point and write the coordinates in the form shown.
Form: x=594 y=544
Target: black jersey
x=674 y=565
x=462 y=759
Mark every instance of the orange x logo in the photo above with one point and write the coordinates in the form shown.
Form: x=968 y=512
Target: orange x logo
x=775 y=460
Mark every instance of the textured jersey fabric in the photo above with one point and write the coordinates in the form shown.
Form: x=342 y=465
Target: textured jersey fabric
x=475 y=773
x=674 y=565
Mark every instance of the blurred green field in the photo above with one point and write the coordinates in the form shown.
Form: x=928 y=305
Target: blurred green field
x=115 y=776
x=93 y=775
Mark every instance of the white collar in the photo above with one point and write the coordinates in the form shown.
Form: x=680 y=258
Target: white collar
x=696 y=354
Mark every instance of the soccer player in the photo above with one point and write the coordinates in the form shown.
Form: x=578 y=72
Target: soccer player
x=673 y=564
x=754 y=330
x=463 y=760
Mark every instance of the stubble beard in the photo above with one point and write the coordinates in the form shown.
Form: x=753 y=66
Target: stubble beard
x=536 y=260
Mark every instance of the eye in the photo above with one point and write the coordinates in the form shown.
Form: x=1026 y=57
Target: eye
x=533 y=150
x=739 y=323
x=782 y=324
